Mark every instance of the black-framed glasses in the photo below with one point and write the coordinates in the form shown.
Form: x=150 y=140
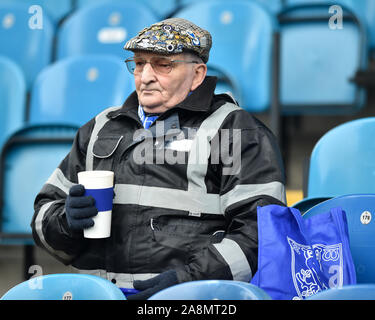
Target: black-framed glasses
x=161 y=65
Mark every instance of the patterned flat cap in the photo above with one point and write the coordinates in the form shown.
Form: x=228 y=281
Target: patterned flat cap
x=172 y=36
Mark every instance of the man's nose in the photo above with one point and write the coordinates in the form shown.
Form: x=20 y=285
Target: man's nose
x=148 y=73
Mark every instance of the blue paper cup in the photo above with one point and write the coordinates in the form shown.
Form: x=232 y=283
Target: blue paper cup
x=99 y=185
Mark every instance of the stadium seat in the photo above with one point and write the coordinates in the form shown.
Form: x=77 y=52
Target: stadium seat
x=12 y=98
x=23 y=41
x=56 y=10
x=366 y=9
x=28 y=158
x=65 y=286
x=317 y=61
x=273 y=5
x=353 y=292
x=242 y=46
x=75 y=89
x=102 y=28
x=212 y=290
x=161 y=8
x=342 y=162
x=360 y=213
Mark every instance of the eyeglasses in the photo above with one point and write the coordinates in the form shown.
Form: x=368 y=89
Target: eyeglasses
x=160 y=65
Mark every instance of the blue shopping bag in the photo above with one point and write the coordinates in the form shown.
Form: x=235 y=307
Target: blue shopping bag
x=299 y=257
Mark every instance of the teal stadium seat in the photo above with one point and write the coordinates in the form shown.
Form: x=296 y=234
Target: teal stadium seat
x=272 y=5
x=318 y=61
x=365 y=9
x=30 y=48
x=12 y=98
x=242 y=33
x=74 y=90
x=161 y=8
x=65 y=286
x=102 y=28
x=341 y=163
x=353 y=292
x=360 y=214
x=212 y=290
x=27 y=160
x=55 y=9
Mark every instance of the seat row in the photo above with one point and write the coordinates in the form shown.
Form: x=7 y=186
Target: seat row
x=88 y=287
x=292 y=64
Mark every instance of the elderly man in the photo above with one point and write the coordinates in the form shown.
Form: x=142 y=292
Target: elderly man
x=190 y=169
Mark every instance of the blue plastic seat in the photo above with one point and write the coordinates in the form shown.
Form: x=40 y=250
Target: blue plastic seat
x=273 y=5
x=212 y=290
x=365 y=9
x=102 y=28
x=242 y=46
x=56 y=10
x=161 y=8
x=28 y=159
x=360 y=213
x=353 y=292
x=318 y=61
x=75 y=89
x=65 y=286
x=12 y=98
x=30 y=48
x=342 y=162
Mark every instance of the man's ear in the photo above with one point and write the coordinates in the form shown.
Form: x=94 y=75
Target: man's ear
x=200 y=72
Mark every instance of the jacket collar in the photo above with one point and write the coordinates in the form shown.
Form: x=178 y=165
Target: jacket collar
x=199 y=100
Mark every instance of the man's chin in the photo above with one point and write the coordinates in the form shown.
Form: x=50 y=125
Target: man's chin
x=153 y=108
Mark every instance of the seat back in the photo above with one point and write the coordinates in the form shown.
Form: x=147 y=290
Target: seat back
x=29 y=47
x=161 y=8
x=12 y=98
x=353 y=292
x=317 y=61
x=212 y=290
x=272 y=5
x=28 y=159
x=102 y=28
x=242 y=45
x=65 y=286
x=56 y=10
x=342 y=161
x=74 y=90
x=360 y=213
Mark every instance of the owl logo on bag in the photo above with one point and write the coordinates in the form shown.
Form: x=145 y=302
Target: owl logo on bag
x=305 y=269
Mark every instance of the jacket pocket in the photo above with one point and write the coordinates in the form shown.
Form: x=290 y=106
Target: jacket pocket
x=104 y=149
x=181 y=237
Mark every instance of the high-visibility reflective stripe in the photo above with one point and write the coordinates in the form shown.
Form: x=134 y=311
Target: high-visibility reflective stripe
x=100 y=120
x=123 y=280
x=235 y=258
x=58 y=180
x=193 y=201
x=200 y=149
x=241 y=192
x=38 y=228
x=169 y=198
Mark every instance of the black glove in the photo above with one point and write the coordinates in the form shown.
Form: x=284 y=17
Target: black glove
x=149 y=287
x=79 y=209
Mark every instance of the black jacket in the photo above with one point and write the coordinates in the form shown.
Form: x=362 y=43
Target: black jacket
x=186 y=191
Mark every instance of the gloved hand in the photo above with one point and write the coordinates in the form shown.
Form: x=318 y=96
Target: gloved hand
x=79 y=209
x=149 y=287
